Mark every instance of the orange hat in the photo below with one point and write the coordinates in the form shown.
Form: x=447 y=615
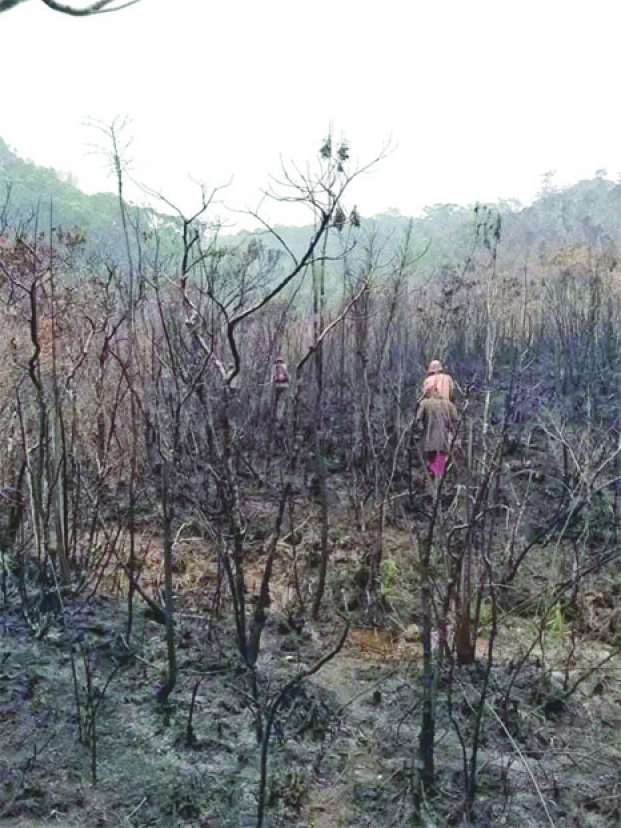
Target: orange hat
x=435 y=366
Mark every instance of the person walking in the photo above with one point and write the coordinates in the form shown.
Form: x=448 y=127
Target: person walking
x=280 y=384
x=438 y=417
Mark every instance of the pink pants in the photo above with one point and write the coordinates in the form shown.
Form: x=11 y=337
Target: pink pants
x=436 y=463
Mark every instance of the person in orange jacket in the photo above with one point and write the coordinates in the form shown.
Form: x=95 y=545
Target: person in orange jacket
x=438 y=380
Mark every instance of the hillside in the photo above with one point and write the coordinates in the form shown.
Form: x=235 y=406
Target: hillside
x=438 y=240
x=32 y=195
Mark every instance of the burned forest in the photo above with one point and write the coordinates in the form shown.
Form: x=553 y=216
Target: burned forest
x=234 y=592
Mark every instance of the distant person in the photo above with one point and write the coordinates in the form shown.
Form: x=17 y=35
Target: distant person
x=438 y=380
x=280 y=384
x=438 y=417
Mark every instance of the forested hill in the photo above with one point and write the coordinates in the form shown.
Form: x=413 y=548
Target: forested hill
x=574 y=216
x=32 y=195
x=439 y=240
x=28 y=190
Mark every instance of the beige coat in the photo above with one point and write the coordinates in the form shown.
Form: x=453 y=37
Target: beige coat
x=439 y=419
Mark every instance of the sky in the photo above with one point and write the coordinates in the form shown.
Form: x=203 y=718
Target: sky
x=477 y=99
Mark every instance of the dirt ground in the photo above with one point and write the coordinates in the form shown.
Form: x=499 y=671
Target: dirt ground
x=344 y=744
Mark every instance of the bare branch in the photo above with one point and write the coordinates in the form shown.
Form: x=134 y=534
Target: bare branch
x=99 y=7
x=327 y=330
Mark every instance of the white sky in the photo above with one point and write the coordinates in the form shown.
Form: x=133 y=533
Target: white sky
x=479 y=97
